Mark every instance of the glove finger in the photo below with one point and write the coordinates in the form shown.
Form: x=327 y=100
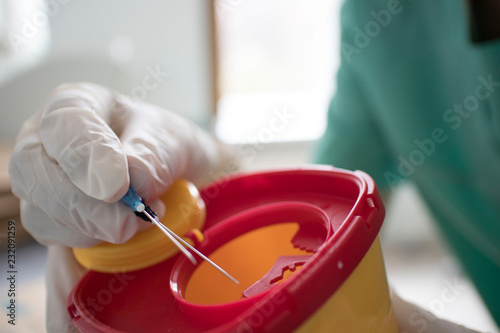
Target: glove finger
x=74 y=131
x=413 y=319
x=161 y=146
x=158 y=207
x=156 y=149
x=47 y=188
x=47 y=232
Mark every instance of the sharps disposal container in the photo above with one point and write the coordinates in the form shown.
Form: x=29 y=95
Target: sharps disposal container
x=302 y=242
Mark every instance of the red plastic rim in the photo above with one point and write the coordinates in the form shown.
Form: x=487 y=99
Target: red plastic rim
x=313 y=222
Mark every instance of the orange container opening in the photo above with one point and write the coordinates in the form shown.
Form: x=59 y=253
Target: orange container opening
x=248 y=258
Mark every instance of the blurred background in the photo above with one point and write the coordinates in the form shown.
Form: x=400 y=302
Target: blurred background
x=230 y=66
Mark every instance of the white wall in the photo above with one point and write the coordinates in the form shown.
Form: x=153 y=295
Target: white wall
x=118 y=43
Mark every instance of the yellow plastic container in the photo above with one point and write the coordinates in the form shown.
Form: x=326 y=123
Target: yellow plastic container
x=185 y=211
x=302 y=242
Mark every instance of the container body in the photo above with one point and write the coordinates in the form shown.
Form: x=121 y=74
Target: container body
x=362 y=303
x=303 y=242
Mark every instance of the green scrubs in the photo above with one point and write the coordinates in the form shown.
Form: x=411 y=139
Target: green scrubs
x=417 y=99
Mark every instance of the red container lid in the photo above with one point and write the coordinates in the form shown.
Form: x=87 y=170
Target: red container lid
x=339 y=214
x=314 y=229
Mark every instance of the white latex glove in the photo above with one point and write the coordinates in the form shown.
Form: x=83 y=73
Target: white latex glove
x=413 y=319
x=76 y=158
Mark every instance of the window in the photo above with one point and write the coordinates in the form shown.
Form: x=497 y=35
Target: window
x=275 y=58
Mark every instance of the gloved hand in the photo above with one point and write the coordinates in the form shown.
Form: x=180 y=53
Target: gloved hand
x=76 y=158
x=413 y=319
